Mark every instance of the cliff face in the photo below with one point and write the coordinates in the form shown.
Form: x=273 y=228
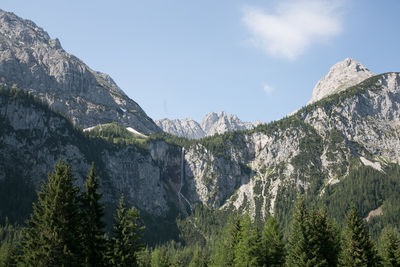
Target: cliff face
x=310 y=150
x=33 y=138
x=252 y=170
x=31 y=60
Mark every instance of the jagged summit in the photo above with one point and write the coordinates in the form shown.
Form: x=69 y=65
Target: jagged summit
x=212 y=123
x=187 y=128
x=31 y=60
x=341 y=76
x=218 y=123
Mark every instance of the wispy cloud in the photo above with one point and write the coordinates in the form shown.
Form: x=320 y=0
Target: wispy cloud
x=293 y=26
x=268 y=89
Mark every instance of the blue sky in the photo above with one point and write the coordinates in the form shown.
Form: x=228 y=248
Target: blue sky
x=257 y=59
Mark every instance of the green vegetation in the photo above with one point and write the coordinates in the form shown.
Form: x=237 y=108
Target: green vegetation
x=313 y=241
x=92 y=227
x=368 y=189
x=10 y=237
x=334 y=100
x=219 y=145
x=357 y=248
x=118 y=134
x=65 y=228
x=125 y=242
x=390 y=242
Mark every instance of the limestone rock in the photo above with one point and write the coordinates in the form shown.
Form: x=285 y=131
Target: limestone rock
x=187 y=128
x=218 y=123
x=212 y=123
x=31 y=60
x=341 y=76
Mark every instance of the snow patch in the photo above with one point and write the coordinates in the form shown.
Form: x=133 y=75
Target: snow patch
x=376 y=165
x=89 y=129
x=135 y=132
x=123 y=110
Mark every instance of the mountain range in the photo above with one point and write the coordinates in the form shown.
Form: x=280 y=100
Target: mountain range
x=212 y=123
x=341 y=148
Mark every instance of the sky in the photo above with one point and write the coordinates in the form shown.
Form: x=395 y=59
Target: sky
x=183 y=59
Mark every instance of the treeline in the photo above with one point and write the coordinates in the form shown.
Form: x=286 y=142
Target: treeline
x=313 y=241
x=66 y=229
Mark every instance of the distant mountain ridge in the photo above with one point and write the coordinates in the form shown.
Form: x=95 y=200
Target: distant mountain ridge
x=212 y=123
x=31 y=60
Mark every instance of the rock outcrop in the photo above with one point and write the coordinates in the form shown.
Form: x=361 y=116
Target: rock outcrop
x=187 y=128
x=31 y=60
x=212 y=123
x=218 y=123
x=341 y=76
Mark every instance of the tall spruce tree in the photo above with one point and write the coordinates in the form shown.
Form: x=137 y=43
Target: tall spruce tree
x=390 y=250
x=92 y=227
x=313 y=241
x=247 y=249
x=324 y=239
x=226 y=244
x=199 y=258
x=52 y=236
x=357 y=248
x=126 y=241
x=272 y=251
x=299 y=249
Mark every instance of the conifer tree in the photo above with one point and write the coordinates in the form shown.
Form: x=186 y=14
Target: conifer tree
x=247 y=249
x=226 y=244
x=199 y=258
x=324 y=239
x=52 y=236
x=357 y=248
x=299 y=250
x=390 y=249
x=313 y=241
x=92 y=228
x=125 y=242
x=272 y=251
x=160 y=258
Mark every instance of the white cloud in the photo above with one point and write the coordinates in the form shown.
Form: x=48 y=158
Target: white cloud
x=268 y=89
x=294 y=25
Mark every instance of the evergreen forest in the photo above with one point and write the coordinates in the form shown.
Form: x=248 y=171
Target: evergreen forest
x=66 y=228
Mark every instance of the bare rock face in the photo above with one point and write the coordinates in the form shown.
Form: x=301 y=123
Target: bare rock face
x=218 y=123
x=341 y=76
x=212 y=123
x=31 y=60
x=187 y=128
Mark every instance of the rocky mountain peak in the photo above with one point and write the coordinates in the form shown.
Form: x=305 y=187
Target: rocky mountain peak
x=218 y=123
x=31 y=60
x=182 y=127
x=341 y=76
x=212 y=123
